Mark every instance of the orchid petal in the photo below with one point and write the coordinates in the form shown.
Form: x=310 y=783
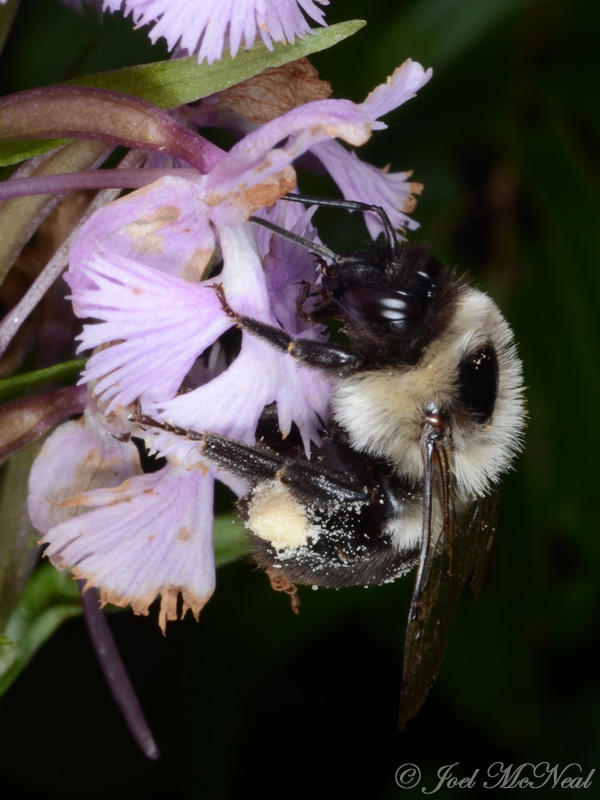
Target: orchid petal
x=150 y=535
x=260 y=153
x=157 y=325
x=209 y=27
x=164 y=226
x=402 y=85
x=359 y=180
x=288 y=265
x=77 y=457
x=232 y=403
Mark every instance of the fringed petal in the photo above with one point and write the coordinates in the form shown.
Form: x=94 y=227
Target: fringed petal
x=150 y=535
x=359 y=180
x=209 y=27
x=156 y=324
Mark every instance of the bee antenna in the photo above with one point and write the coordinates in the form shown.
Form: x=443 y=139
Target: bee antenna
x=313 y=247
x=354 y=205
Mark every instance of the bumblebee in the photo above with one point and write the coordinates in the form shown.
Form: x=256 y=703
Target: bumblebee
x=427 y=414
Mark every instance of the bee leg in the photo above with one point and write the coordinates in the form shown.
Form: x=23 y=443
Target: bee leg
x=279 y=583
x=309 y=483
x=252 y=463
x=306 y=480
x=301 y=301
x=320 y=355
x=321 y=311
x=145 y=421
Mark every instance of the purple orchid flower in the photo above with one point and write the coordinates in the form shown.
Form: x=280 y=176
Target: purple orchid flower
x=210 y=26
x=142 y=267
x=393 y=191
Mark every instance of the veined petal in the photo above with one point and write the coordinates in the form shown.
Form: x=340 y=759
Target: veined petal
x=283 y=20
x=77 y=457
x=302 y=396
x=150 y=535
x=242 y=275
x=157 y=325
x=288 y=266
x=232 y=403
x=359 y=180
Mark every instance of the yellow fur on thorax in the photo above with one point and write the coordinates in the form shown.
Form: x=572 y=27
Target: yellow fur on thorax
x=383 y=411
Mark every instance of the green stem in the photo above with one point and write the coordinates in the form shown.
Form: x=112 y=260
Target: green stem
x=17 y=384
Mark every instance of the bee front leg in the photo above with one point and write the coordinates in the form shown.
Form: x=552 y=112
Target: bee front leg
x=320 y=355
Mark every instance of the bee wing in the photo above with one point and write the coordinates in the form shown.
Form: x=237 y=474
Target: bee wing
x=451 y=554
x=482 y=529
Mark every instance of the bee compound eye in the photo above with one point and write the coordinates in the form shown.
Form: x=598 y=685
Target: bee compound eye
x=380 y=305
x=478 y=382
x=430 y=272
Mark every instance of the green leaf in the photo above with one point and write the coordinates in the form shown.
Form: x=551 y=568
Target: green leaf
x=173 y=83
x=14 y=152
x=229 y=539
x=17 y=384
x=50 y=598
x=18 y=540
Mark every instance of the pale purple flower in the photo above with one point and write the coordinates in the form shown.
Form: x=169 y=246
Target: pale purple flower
x=393 y=191
x=356 y=179
x=208 y=27
x=79 y=456
x=141 y=267
x=148 y=534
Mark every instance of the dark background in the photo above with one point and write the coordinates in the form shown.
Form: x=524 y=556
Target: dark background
x=253 y=699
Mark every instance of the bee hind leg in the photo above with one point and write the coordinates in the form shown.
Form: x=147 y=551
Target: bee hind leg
x=253 y=463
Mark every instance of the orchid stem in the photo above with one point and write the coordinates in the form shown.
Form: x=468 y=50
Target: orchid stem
x=115 y=673
x=87 y=179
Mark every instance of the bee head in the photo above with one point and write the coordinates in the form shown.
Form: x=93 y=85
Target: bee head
x=390 y=307
x=464 y=363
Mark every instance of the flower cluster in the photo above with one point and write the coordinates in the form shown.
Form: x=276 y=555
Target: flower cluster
x=144 y=268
